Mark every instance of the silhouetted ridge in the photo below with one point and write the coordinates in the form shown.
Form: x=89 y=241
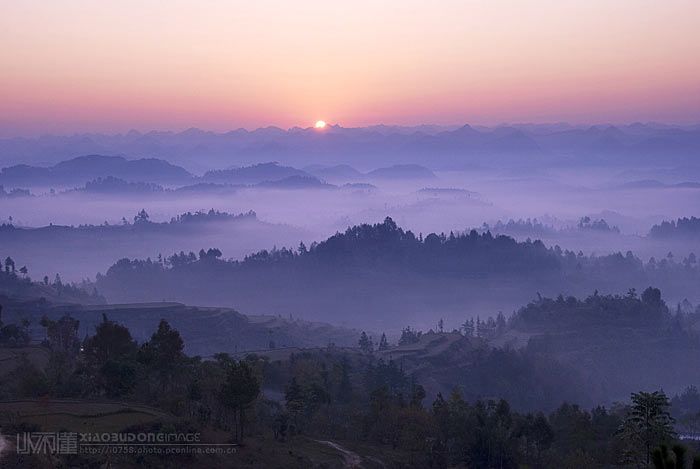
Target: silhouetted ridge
x=389 y=245
x=681 y=228
x=90 y=167
x=382 y=272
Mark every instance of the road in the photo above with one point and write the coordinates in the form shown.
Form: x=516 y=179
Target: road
x=4 y=445
x=352 y=460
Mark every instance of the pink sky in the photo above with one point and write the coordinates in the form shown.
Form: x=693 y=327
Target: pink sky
x=73 y=66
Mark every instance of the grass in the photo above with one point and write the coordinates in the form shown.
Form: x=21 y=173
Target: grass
x=77 y=415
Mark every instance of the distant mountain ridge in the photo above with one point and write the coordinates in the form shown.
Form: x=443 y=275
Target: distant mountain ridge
x=114 y=174
x=86 y=168
x=254 y=174
x=444 y=147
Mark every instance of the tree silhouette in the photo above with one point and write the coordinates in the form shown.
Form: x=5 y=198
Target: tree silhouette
x=663 y=459
x=164 y=352
x=9 y=265
x=141 y=217
x=239 y=390
x=365 y=343
x=647 y=425
x=383 y=343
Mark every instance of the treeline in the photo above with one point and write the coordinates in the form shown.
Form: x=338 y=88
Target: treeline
x=14 y=193
x=534 y=227
x=379 y=258
x=112 y=185
x=347 y=396
x=563 y=313
x=385 y=245
x=16 y=282
x=142 y=220
x=681 y=228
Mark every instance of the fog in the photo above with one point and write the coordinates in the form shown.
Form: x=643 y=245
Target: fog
x=540 y=265
x=286 y=217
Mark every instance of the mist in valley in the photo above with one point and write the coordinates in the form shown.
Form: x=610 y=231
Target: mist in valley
x=521 y=275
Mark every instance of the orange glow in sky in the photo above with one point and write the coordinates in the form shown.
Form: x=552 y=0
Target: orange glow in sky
x=71 y=66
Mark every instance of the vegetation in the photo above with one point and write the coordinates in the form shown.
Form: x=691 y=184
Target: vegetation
x=371 y=405
x=396 y=271
x=682 y=228
x=15 y=281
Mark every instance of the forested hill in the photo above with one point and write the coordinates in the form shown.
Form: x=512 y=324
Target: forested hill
x=688 y=228
x=606 y=337
x=383 y=272
x=387 y=246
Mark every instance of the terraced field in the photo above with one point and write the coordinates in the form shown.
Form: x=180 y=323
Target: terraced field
x=77 y=415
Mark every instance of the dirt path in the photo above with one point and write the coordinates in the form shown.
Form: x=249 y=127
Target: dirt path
x=352 y=460
x=3 y=444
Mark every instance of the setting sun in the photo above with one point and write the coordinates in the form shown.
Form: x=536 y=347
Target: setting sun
x=320 y=124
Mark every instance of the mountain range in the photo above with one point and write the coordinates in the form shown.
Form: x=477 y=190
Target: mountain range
x=98 y=173
x=374 y=146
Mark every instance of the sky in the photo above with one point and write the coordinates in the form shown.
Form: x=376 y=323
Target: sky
x=110 y=66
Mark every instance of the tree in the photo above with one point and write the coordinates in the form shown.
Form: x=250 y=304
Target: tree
x=663 y=459
x=111 y=341
x=409 y=336
x=365 y=343
x=211 y=253
x=24 y=271
x=648 y=424
x=468 y=327
x=500 y=324
x=417 y=393
x=164 y=352
x=141 y=217
x=110 y=356
x=537 y=435
x=652 y=297
x=239 y=390
x=344 y=393
x=383 y=343
x=294 y=401
x=9 y=265
x=62 y=335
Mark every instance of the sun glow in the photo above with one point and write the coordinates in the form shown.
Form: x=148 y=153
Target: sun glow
x=320 y=124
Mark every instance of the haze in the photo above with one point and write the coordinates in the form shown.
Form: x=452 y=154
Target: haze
x=335 y=234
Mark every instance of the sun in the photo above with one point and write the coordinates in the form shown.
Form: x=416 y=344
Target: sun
x=320 y=124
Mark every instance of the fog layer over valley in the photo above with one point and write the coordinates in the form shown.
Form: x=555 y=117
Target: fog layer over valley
x=380 y=274
x=572 y=188
x=311 y=203
x=308 y=288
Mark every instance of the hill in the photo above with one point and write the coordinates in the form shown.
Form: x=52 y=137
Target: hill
x=46 y=250
x=207 y=331
x=87 y=168
x=605 y=338
x=381 y=273
x=254 y=174
x=683 y=228
x=401 y=171
x=296 y=182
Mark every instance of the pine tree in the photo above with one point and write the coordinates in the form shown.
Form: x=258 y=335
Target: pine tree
x=383 y=343
x=647 y=425
x=365 y=343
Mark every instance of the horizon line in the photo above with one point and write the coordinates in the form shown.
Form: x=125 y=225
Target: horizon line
x=369 y=126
